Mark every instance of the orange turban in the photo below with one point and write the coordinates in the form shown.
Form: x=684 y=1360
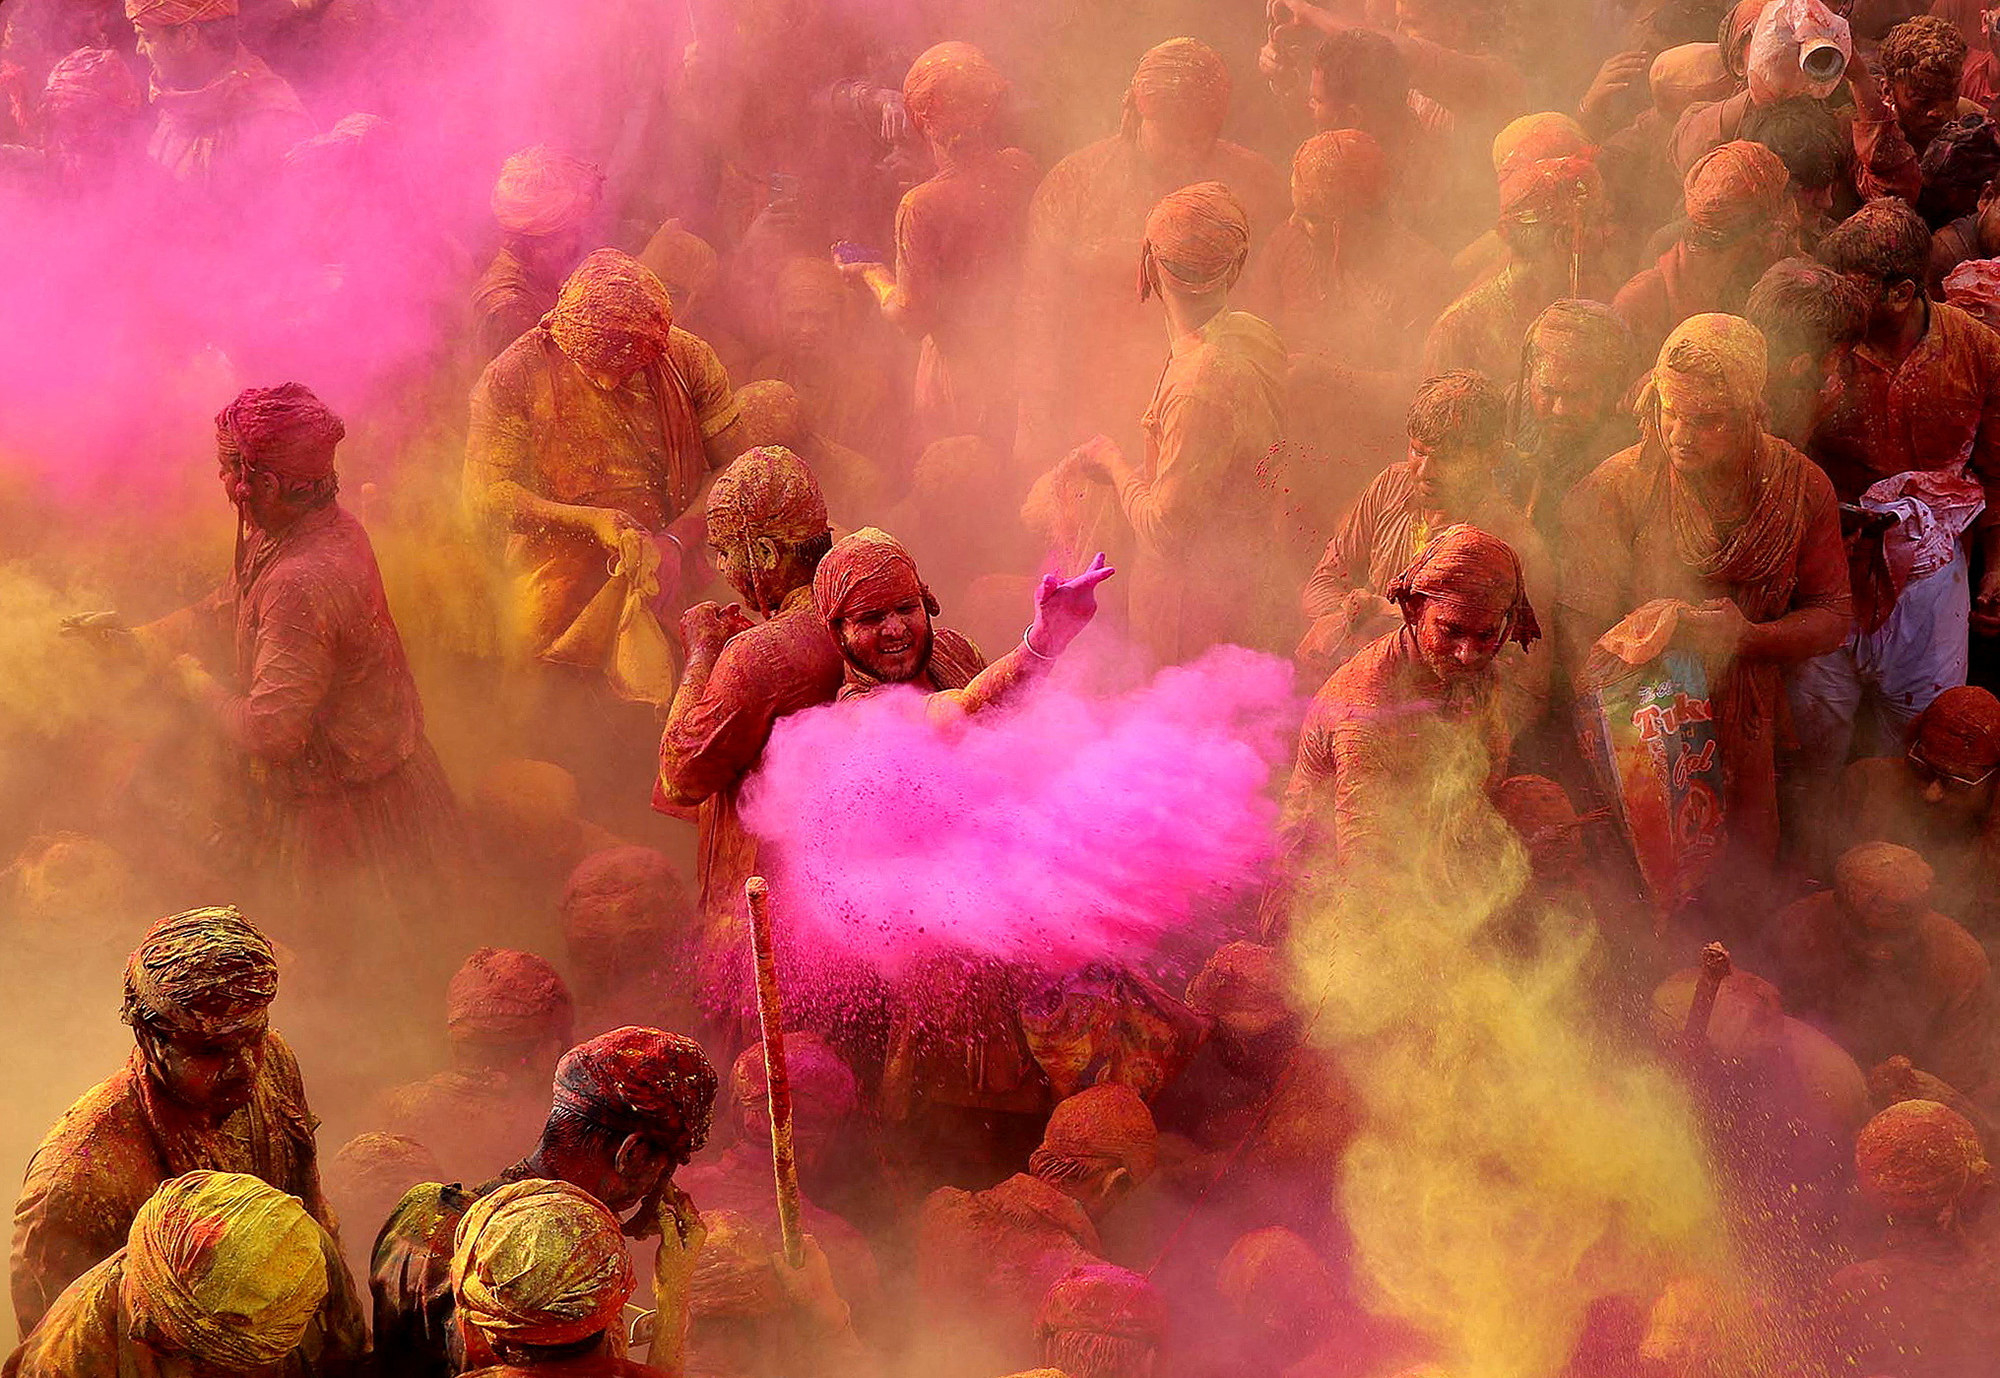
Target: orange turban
x=1537 y=138
x=771 y=413
x=623 y=892
x=610 y=298
x=817 y=1073
x=1180 y=75
x=1732 y=189
x=866 y=572
x=682 y=260
x=1243 y=980
x=501 y=993
x=1709 y=358
x=1199 y=236
x=1681 y=76
x=165 y=14
x=953 y=91
x=284 y=430
x=1466 y=567
x=543 y=192
x=1106 y=1123
x=1960 y=731
x=207 y=973
x=1548 y=190
x=641 y=1081
x=1103 y=1299
x=1920 y=1160
x=767 y=493
x=540 y=1263
x=1338 y=172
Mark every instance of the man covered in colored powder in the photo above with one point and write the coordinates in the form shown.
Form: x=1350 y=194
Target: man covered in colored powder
x=539 y=1273
x=1576 y=362
x=350 y=812
x=220 y=1273
x=1463 y=599
x=1087 y=353
x=1103 y=1321
x=545 y=203
x=224 y=119
x=1736 y=530
x=592 y=438
x=959 y=242
x=986 y=1260
x=868 y=592
x=630 y=1108
x=767 y=533
x=1203 y=503
x=209 y=1086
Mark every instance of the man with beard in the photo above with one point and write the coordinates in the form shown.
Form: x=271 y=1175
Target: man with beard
x=210 y=1086
x=223 y=118
x=1575 y=365
x=1809 y=316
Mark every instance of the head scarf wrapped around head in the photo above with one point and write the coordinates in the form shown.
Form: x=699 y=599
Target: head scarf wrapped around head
x=284 y=430
x=1960 y=731
x=1338 y=173
x=735 y=1277
x=1468 y=568
x=953 y=92
x=1549 y=191
x=1734 y=188
x=1106 y=1124
x=1538 y=138
x=623 y=892
x=226 y=1268
x=92 y=80
x=375 y=1166
x=865 y=572
x=167 y=13
x=1883 y=872
x=1273 y=1273
x=1241 y=980
x=540 y=1263
x=543 y=192
x=204 y=973
x=771 y=414
x=1199 y=237
x=1180 y=74
x=1708 y=359
x=641 y=1081
x=1534 y=804
x=1103 y=1299
x=1683 y=75
x=767 y=493
x=1920 y=1161
x=502 y=993
x=1974 y=287
x=817 y=1073
x=609 y=299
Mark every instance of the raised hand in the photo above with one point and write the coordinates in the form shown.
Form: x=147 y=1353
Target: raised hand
x=1064 y=607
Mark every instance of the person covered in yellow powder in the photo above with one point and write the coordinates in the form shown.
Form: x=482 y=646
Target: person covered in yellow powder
x=539 y=1271
x=221 y=1274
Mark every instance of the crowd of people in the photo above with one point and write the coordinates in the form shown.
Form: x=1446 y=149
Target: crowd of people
x=1593 y=407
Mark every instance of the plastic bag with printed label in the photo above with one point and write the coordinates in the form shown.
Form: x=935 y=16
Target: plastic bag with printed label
x=1798 y=48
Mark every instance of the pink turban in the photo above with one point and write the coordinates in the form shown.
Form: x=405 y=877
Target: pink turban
x=1199 y=236
x=165 y=14
x=542 y=192
x=284 y=430
x=1466 y=567
x=817 y=1073
x=92 y=80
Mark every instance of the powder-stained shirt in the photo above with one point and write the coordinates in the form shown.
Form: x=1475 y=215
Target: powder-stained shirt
x=112 y=1149
x=232 y=131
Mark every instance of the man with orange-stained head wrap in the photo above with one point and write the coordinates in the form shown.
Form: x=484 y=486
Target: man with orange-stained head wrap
x=508 y=1016
x=210 y=1085
x=1740 y=220
x=1463 y=599
x=986 y=1259
x=630 y=1108
x=1089 y=353
x=1211 y=545
x=1921 y=1305
x=1938 y=797
x=959 y=241
x=592 y=438
x=629 y=919
x=540 y=1274
x=546 y=204
x=222 y=117
x=1294 y=1313
x=775 y=418
x=220 y=1273
x=1727 y=539
x=1101 y=1321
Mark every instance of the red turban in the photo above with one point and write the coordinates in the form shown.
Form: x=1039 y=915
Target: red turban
x=1103 y=1299
x=1732 y=189
x=1199 y=236
x=207 y=973
x=769 y=493
x=1466 y=567
x=1106 y=1123
x=817 y=1073
x=1920 y=1160
x=867 y=572
x=1534 y=804
x=284 y=430
x=543 y=192
x=92 y=80
x=166 y=14
x=621 y=892
x=952 y=91
x=611 y=297
x=641 y=1081
x=501 y=993
x=1337 y=173
x=1960 y=731
x=1180 y=75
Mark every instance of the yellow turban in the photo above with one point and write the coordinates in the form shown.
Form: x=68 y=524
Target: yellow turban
x=540 y=1263
x=227 y=1268
x=1710 y=359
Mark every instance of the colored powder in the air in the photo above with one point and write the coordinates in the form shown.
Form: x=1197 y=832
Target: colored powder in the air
x=1074 y=827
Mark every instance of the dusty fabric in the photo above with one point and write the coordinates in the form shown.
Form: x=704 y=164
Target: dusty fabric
x=623 y=893
x=509 y=300
x=1533 y=138
x=682 y=260
x=951 y=91
x=543 y=192
x=1102 y=1299
x=1685 y=74
x=1105 y=1124
x=1918 y=1160
x=226 y=1268
x=205 y=973
x=230 y=133
x=166 y=13
x=374 y=1166
x=609 y=299
x=1735 y=188
x=1180 y=74
x=540 y=1263
x=1198 y=238
x=1881 y=872
x=1241 y=981
x=641 y=1081
x=766 y=493
x=1884 y=162
x=1709 y=358
x=1973 y=286
x=476 y=1121
x=1339 y=174
x=1960 y=732
x=816 y=1071
x=91 y=81
x=1107 y=1025
x=1470 y=568
x=1550 y=191
x=501 y=993
x=111 y=1150
x=283 y=430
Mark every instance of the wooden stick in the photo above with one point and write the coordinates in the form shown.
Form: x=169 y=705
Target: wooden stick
x=778 y=1082
x=1715 y=969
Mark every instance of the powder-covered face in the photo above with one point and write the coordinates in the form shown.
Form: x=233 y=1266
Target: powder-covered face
x=1570 y=397
x=1457 y=641
x=213 y=1076
x=890 y=640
